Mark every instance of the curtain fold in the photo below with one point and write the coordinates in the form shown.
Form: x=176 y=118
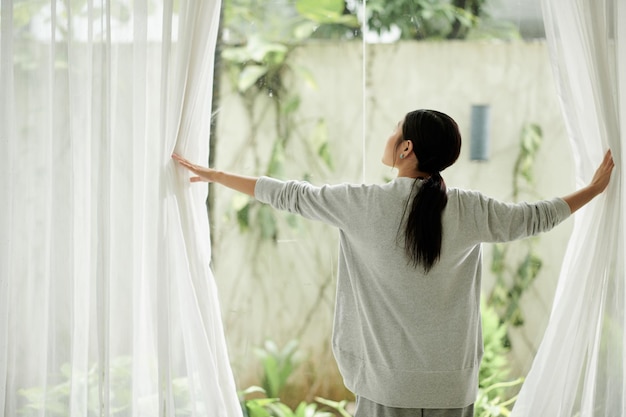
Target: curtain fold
x=6 y=169
x=108 y=305
x=579 y=369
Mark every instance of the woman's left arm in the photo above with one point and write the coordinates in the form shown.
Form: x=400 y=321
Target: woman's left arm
x=236 y=182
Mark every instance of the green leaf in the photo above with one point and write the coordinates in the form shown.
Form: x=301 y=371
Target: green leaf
x=304 y=30
x=293 y=221
x=260 y=50
x=310 y=410
x=66 y=370
x=319 y=9
x=427 y=14
x=277 y=160
x=267 y=223
x=271 y=384
x=33 y=395
x=271 y=347
x=498 y=258
x=340 y=406
x=250 y=75
x=243 y=217
x=347 y=20
x=326 y=11
x=253 y=389
x=290 y=105
x=321 y=144
x=238 y=54
x=325 y=154
x=281 y=410
x=290 y=349
x=239 y=201
x=531 y=138
x=301 y=410
x=306 y=75
x=257 y=407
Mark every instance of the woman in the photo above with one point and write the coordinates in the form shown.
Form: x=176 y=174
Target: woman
x=407 y=332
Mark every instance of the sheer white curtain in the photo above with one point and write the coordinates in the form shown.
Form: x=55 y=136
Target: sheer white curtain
x=107 y=303
x=580 y=368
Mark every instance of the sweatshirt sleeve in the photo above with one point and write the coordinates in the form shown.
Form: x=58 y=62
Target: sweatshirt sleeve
x=328 y=203
x=497 y=221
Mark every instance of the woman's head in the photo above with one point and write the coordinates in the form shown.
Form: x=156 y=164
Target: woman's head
x=435 y=139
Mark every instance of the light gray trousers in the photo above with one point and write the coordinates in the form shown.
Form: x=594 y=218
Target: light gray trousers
x=367 y=408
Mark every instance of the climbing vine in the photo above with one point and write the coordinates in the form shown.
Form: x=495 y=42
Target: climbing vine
x=517 y=264
x=259 y=69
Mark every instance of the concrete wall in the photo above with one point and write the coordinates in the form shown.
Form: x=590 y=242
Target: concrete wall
x=285 y=290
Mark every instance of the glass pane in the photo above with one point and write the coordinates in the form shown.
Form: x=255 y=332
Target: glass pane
x=304 y=95
x=290 y=106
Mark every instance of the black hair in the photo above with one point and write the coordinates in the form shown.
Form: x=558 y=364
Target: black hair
x=437 y=144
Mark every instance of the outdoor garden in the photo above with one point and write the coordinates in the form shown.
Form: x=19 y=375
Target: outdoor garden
x=310 y=90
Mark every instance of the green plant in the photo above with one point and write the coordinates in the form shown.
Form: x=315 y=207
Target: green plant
x=278 y=365
x=255 y=407
x=494 y=390
x=54 y=398
x=258 y=68
x=436 y=19
x=273 y=407
x=493 y=367
x=494 y=386
x=421 y=19
x=489 y=405
x=287 y=21
x=339 y=406
x=517 y=264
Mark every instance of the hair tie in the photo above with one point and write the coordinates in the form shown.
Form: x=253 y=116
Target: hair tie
x=435 y=177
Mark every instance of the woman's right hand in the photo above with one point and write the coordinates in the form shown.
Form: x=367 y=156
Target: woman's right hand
x=236 y=182
x=202 y=173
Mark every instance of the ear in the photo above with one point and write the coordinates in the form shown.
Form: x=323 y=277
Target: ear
x=408 y=147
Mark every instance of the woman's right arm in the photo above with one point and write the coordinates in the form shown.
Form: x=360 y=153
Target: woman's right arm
x=327 y=204
x=598 y=184
x=239 y=183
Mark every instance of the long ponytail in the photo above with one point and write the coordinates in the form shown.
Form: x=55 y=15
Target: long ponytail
x=423 y=234
x=437 y=145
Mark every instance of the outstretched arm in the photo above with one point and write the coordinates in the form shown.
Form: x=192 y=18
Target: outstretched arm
x=239 y=183
x=598 y=183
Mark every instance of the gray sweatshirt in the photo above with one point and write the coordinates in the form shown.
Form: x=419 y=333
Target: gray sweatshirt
x=403 y=338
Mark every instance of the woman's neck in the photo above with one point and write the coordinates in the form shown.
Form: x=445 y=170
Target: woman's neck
x=412 y=173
